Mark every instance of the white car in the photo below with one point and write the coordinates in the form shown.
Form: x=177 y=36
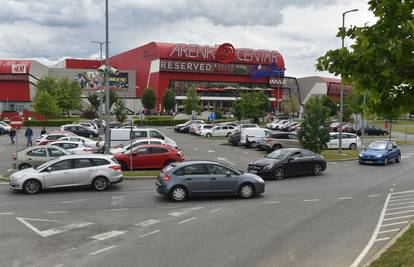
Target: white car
x=203 y=128
x=124 y=136
x=220 y=130
x=349 y=141
x=89 y=125
x=272 y=125
x=84 y=140
x=135 y=143
x=73 y=147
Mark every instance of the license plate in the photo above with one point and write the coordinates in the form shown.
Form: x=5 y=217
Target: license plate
x=369 y=161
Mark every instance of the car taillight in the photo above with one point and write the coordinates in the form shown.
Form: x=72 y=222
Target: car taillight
x=165 y=177
x=14 y=156
x=115 y=167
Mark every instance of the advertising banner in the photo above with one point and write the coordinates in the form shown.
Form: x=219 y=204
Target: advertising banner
x=93 y=80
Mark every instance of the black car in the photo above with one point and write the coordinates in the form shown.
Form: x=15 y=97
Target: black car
x=234 y=138
x=372 y=130
x=80 y=130
x=288 y=162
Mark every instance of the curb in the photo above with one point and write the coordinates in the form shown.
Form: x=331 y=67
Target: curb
x=4 y=178
x=340 y=160
x=387 y=246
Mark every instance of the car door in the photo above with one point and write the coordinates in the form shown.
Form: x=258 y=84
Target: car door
x=37 y=156
x=222 y=180
x=294 y=165
x=58 y=174
x=196 y=178
x=334 y=142
x=141 y=158
x=157 y=157
x=83 y=171
x=53 y=153
x=156 y=134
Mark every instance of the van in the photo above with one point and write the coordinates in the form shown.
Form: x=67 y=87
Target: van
x=250 y=137
x=122 y=136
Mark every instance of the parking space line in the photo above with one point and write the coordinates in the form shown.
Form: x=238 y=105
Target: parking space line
x=374 y=195
x=102 y=250
x=397 y=218
x=148 y=222
x=381 y=239
x=215 y=210
x=72 y=201
x=4 y=183
x=400 y=212
x=187 y=220
x=401 y=199
x=56 y=212
x=396 y=223
x=108 y=235
x=343 y=198
x=388 y=231
x=403 y=192
x=403 y=203
x=6 y=213
x=59 y=265
x=400 y=208
x=311 y=200
x=271 y=202
x=183 y=211
x=121 y=209
x=148 y=234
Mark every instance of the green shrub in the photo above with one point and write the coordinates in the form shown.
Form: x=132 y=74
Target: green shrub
x=46 y=123
x=159 y=122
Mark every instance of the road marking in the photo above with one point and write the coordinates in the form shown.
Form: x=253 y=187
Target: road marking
x=343 y=198
x=398 y=204
x=393 y=184
x=6 y=213
x=382 y=239
x=364 y=252
x=271 y=202
x=53 y=231
x=311 y=200
x=391 y=224
x=225 y=160
x=404 y=192
x=400 y=212
x=188 y=220
x=108 y=235
x=183 y=211
x=215 y=210
x=392 y=190
x=401 y=199
x=374 y=195
x=59 y=265
x=400 y=208
x=397 y=218
x=121 y=209
x=195 y=149
x=10 y=170
x=148 y=222
x=210 y=151
x=56 y=212
x=102 y=250
x=4 y=183
x=72 y=201
x=148 y=234
x=117 y=200
x=389 y=231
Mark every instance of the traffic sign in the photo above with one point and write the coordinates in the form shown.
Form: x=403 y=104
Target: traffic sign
x=16 y=122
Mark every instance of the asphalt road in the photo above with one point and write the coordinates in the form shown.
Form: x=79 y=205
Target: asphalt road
x=326 y=220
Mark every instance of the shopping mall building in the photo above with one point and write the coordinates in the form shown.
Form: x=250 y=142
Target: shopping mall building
x=218 y=73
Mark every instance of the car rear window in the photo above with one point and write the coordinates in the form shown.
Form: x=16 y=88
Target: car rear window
x=114 y=160
x=167 y=168
x=99 y=162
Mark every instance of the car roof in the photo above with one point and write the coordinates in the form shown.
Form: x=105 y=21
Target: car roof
x=66 y=142
x=192 y=162
x=155 y=145
x=145 y=139
x=89 y=156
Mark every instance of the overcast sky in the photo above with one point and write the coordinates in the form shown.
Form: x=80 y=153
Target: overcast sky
x=301 y=30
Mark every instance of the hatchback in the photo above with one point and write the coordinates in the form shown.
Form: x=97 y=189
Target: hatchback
x=37 y=155
x=98 y=171
x=380 y=152
x=179 y=181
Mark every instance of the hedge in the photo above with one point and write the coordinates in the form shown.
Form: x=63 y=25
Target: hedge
x=159 y=122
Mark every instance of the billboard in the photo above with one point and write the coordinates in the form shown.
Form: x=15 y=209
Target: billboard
x=93 y=80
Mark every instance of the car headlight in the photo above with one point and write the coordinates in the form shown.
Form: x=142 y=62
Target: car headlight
x=268 y=167
x=361 y=155
x=260 y=180
x=17 y=177
x=378 y=156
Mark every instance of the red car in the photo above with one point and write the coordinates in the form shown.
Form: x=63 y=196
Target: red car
x=149 y=157
x=52 y=137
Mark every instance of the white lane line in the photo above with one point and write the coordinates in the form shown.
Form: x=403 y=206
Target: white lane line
x=397 y=218
x=403 y=192
x=370 y=243
x=102 y=250
x=374 y=195
x=394 y=184
x=401 y=208
x=148 y=234
x=271 y=202
x=311 y=200
x=403 y=203
x=211 y=151
x=59 y=265
x=10 y=170
x=72 y=201
x=392 y=190
x=108 y=235
x=148 y=222
x=343 y=198
x=6 y=213
x=225 y=160
x=381 y=239
x=400 y=212
x=121 y=209
x=117 y=200
x=401 y=199
x=195 y=149
x=4 y=183
x=215 y=210
x=391 y=224
x=187 y=220
x=183 y=211
x=56 y=212
x=389 y=231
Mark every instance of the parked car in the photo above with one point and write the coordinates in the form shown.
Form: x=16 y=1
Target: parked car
x=123 y=136
x=179 y=181
x=80 y=130
x=37 y=155
x=372 y=130
x=52 y=136
x=202 y=127
x=84 y=140
x=349 y=128
x=334 y=126
x=272 y=125
x=98 y=171
x=89 y=125
x=286 y=162
x=135 y=143
x=278 y=140
x=250 y=136
x=219 y=130
x=149 y=157
x=380 y=152
x=73 y=147
x=288 y=127
x=234 y=138
x=127 y=127
x=179 y=126
x=4 y=129
x=242 y=126
x=349 y=141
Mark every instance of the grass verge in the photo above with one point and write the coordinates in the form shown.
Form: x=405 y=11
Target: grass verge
x=345 y=154
x=400 y=254
x=140 y=173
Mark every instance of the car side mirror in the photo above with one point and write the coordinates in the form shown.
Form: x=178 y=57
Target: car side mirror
x=291 y=159
x=228 y=174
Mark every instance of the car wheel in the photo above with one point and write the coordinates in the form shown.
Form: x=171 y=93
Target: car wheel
x=208 y=135
x=178 y=193
x=253 y=144
x=238 y=143
x=246 y=191
x=279 y=174
x=353 y=146
x=317 y=169
x=385 y=161
x=228 y=134
x=24 y=166
x=100 y=183
x=398 y=159
x=124 y=166
x=277 y=146
x=32 y=186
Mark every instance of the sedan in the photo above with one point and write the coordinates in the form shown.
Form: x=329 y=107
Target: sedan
x=149 y=157
x=380 y=152
x=372 y=130
x=288 y=162
x=37 y=155
x=73 y=147
x=179 y=181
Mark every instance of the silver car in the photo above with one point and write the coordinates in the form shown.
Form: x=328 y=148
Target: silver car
x=37 y=155
x=98 y=171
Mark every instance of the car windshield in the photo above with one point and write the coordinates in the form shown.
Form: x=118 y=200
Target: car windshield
x=377 y=146
x=45 y=164
x=279 y=154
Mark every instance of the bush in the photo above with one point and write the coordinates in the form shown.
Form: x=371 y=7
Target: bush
x=159 y=122
x=46 y=123
x=89 y=113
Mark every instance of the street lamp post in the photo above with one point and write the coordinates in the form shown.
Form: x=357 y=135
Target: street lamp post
x=341 y=98
x=107 y=129
x=101 y=96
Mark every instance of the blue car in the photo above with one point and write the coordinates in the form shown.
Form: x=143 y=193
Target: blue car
x=380 y=152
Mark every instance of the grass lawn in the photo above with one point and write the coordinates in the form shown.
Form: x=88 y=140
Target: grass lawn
x=396 y=126
x=140 y=173
x=346 y=154
x=400 y=254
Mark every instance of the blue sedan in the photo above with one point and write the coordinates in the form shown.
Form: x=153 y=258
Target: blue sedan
x=380 y=152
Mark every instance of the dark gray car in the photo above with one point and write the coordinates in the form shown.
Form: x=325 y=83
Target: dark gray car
x=181 y=180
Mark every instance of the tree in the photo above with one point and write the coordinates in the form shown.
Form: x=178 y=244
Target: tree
x=314 y=129
x=113 y=98
x=168 y=100
x=254 y=105
x=238 y=110
x=148 y=99
x=45 y=104
x=291 y=106
x=47 y=84
x=95 y=101
x=330 y=104
x=120 y=111
x=381 y=57
x=192 y=102
x=68 y=95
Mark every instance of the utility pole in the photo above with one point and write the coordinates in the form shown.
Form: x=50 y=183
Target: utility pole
x=100 y=91
x=107 y=110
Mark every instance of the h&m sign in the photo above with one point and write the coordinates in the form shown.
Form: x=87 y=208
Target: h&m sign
x=18 y=68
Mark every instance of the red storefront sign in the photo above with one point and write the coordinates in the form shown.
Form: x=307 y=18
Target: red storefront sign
x=16 y=122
